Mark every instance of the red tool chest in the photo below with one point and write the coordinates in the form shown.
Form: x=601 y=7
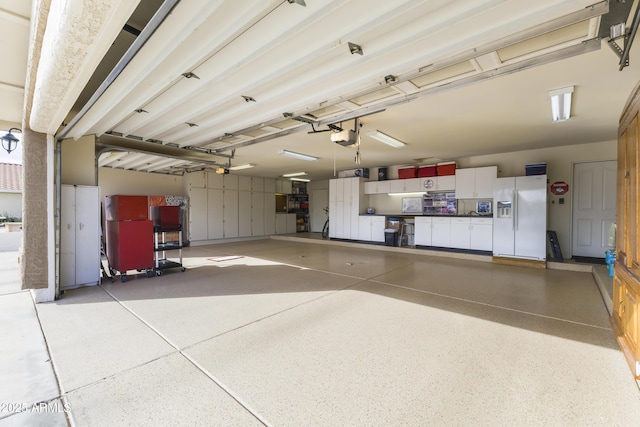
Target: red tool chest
x=130 y=245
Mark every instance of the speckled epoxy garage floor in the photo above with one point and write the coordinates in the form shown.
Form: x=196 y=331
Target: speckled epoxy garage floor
x=295 y=333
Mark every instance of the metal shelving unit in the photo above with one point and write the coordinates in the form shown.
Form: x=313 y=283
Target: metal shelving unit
x=162 y=244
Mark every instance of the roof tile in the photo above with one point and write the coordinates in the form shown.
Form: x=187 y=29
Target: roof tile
x=10 y=177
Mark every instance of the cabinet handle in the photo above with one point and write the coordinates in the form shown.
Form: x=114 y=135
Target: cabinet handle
x=620 y=303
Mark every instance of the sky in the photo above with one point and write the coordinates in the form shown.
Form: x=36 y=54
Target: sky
x=15 y=156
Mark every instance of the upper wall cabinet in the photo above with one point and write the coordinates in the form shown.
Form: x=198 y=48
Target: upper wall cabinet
x=475 y=183
x=438 y=183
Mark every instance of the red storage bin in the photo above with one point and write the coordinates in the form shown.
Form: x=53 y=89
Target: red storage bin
x=448 y=168
x=406 y=173
x=427 y=171
x=126 y=208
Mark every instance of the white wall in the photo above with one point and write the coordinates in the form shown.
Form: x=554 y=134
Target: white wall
x=11 y=204
x=118 y=181
x=78 y=162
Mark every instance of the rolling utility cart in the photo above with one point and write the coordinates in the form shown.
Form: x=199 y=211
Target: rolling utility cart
x=167 y=236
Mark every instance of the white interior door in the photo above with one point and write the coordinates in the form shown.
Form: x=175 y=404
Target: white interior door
x=318 y=200
x=594 y=207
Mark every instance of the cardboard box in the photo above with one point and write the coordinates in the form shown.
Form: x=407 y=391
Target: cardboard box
x=406 y=173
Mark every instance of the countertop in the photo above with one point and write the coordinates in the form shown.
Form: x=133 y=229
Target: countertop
x=401 y=215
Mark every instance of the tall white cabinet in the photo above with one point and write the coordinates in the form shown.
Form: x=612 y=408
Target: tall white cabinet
x=79 y=236
x=230 y=206
x=346 y=202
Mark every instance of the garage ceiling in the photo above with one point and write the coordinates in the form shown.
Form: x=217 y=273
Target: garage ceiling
x=240 y=81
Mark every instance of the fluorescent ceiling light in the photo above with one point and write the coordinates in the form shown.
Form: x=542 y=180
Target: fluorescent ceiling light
x=298 y=156
x=300 y=179
x=240 y=167
x=561 y=104
x=376 y=134
x=289 y=175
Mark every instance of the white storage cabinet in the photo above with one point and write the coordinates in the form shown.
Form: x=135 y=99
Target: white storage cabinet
x=79 y=236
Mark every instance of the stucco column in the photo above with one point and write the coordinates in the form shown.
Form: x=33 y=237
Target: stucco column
x=34 y=258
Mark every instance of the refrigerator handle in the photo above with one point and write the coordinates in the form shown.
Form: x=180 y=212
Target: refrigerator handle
x=515 y=210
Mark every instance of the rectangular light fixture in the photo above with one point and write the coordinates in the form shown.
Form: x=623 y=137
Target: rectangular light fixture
x=298 y=156
x=240 y=167
x=376 y=134
x=300 y=179
x=420 y=193
x=561 y=104
x=292 y=174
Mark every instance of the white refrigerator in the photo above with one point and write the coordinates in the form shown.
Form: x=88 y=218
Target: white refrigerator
x=520 y=217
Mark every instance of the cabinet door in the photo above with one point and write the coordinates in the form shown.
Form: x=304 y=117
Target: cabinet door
x=484 y=182
x=281 y=223
x=67 y=236
x=384 y=187
x=618 y=300
x=377 y=228
x=441 y=232
x=230 y=213
x=482 y=236
x=215 y=180
x=244 y=213
x=230 y=182
x=446 y=183
x=371 y=187
x=257 y=184
x=423 y=231
x=196 y=180
x=333 y=218
x=333 y=190
x=198 y=214
x=630 y=317
x=269 y=185
x=460 y=233
x=340 y=190
x=269 y=213
x=466 y=183
x=291 y=223
x=87 y=235
x=396 y=186
x=413 y=185
x=257 y=214
x=244 y=183
x=215 y=213
x=364 y=228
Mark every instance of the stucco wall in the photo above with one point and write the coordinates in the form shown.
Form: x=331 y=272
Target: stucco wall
x=11 y=205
